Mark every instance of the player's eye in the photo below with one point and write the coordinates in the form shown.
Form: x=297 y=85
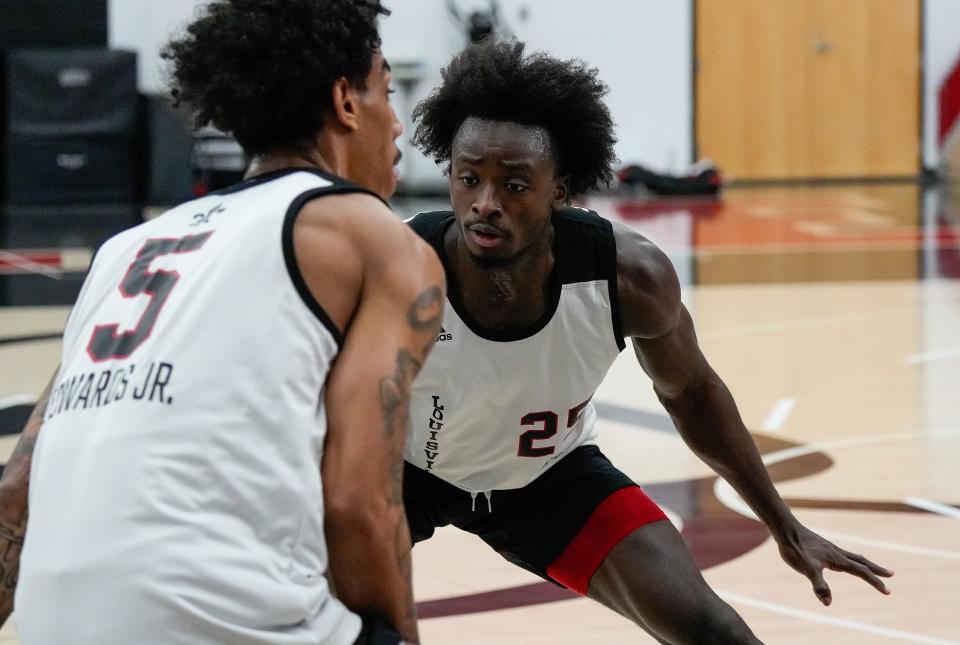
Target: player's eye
x=516 y=187
x=468 y=180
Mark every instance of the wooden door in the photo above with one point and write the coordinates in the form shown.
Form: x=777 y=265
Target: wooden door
x=791 y=89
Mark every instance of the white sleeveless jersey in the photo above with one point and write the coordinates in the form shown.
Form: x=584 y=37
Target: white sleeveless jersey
x=492 y=411
x=175 y=495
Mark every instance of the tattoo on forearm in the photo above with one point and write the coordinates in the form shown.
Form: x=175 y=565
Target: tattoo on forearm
x=13 y=520
x=395 y=393
x=395 y=403
x=14 y=487
x=11 y=541
x=423 y=316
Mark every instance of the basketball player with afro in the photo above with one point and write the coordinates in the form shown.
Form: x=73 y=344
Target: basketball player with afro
x=542 y=298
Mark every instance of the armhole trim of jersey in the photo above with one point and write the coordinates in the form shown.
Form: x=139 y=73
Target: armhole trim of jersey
x=290 y=258
x=613 y=286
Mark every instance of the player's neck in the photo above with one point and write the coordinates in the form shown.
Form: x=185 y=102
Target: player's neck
x=507 y=296
x=273 y=162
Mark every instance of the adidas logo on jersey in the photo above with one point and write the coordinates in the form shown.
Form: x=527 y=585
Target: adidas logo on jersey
x=444 y=335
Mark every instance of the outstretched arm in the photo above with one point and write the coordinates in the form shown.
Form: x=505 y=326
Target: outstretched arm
x=705 y=413
x=14 y=487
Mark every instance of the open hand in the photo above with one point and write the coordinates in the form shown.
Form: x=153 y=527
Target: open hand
x=810 y=554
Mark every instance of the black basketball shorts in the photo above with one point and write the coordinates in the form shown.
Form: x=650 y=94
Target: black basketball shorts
x=560 y=526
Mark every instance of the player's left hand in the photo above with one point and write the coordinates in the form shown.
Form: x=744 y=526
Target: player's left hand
x=810 y=554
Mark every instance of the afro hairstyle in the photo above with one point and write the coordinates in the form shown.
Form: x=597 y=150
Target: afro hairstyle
x=263 y=70
x=495 y=80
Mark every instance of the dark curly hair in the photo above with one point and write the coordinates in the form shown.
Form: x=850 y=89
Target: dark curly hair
x=495 y=80
x=263 y=70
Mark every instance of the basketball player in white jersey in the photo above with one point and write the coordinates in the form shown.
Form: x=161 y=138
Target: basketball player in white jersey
x=541 y=297
x=219 y=457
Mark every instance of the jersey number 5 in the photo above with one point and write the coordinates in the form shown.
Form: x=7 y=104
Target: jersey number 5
x=548 y=427
x=107 y=341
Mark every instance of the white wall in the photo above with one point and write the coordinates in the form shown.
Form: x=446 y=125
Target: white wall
x=942 y=48
x=643 y=51
x=145 y=26
x=642 y=48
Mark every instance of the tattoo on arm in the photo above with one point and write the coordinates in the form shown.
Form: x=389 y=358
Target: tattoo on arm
x=427 y=311
x=423 y=317
x=395 y=403
x=14 y=487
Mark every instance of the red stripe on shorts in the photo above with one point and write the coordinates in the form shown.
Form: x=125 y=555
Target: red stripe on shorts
x=615 y=518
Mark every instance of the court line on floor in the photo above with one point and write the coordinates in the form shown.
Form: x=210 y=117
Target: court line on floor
x=890 y=546
x=845 y=623
x=846 y=442
x=727 y=496
x=933 y=507
x=931 y=357
x=779 y=414
x=19 y=399
x=639 y=418
x=33 y=338
x=26 y=264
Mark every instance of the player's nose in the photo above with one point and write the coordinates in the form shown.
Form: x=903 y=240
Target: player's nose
x=397 y=124
x=486 y=203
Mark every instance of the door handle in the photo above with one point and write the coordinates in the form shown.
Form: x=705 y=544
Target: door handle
x=820 y=46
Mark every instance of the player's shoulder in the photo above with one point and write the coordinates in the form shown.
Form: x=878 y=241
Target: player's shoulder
x=122 y=242
x=363 y=223
x=578 y=217
x=635 y=252
x=586 y=232
x=358 y=217
x=430 y=225
x=647 y=283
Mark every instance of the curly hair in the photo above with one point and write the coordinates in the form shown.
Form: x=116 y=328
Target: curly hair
x=263 y=70
x=496 y=81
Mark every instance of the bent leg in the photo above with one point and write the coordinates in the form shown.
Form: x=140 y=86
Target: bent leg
x=651 y=578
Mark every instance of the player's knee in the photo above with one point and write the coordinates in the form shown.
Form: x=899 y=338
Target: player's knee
x=720 y=625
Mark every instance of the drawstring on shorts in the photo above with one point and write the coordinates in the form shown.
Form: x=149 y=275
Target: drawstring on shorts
x=487 y=495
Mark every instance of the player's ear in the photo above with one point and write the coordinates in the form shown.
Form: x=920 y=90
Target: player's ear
x=561 y=192
x=344 y=110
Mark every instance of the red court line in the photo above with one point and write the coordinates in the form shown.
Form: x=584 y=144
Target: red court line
x=536 y=593
x=17 y=261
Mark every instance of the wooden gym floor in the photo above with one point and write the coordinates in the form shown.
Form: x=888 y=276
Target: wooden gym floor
x=833 y=313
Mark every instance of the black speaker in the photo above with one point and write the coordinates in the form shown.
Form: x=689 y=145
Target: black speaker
x=73 y=127
x=63 y=170
x=72 y=92
x=53 y=23
x=64 y=226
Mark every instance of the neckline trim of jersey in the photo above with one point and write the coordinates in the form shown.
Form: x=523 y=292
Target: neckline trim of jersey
x=266 y=177
x=507 y=335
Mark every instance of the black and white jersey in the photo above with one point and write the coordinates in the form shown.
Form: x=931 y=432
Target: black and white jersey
x=493 y=410
x=175 y=496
